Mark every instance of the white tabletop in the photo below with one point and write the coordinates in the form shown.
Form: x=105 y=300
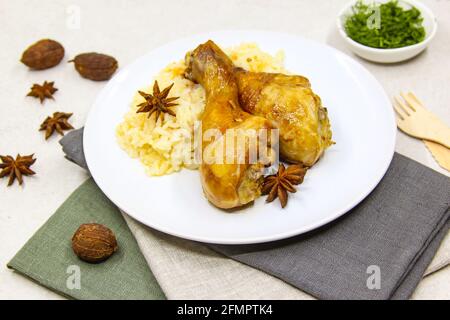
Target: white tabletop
x=126 y=30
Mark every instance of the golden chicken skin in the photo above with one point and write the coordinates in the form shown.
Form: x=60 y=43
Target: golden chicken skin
x=226 y=184
x=289 y=103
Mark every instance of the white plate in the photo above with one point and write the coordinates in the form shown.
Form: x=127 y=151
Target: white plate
x=363 y=127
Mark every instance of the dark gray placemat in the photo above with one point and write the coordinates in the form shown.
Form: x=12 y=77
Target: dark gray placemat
x=396 y=230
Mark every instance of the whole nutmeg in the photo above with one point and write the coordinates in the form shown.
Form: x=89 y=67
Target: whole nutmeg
x=94 y=242
x=43 y=54
x=95 y=66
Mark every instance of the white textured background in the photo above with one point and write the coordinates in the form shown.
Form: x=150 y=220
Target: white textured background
x=126 y=30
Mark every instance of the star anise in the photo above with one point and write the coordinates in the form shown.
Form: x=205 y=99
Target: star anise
x=58 y=122
x=157 y=103
x=278 y=185
x=43 y=91
x=16 y=168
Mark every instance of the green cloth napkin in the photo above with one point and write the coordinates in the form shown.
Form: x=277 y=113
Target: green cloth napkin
x=48 y=258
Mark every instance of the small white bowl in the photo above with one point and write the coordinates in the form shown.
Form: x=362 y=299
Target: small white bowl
x=390 y=55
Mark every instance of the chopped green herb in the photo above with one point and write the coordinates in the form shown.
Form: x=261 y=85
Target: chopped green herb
x=397 y=27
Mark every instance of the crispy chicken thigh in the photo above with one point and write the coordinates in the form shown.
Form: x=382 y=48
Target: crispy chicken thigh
x=292 y=107
x=226 y=185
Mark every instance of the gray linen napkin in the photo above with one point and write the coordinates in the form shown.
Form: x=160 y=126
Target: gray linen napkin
x=379 y=250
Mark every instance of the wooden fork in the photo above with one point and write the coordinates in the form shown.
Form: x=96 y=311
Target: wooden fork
x=411 y=106
x=414 y=119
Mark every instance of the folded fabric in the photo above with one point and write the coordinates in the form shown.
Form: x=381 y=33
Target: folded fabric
x=396 y=230
x=191 y=270
x=393 y=233
x=48 y=259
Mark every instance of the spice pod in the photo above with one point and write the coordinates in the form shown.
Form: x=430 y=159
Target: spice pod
x=43 y=54
x=95 y=66
x=94 y=242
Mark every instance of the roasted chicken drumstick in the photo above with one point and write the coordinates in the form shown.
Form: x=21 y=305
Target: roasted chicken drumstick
x=226 y=185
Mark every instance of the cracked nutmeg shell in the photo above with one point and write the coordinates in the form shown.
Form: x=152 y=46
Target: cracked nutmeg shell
x=95 y=66
x=94 y=243
x=43 y=54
